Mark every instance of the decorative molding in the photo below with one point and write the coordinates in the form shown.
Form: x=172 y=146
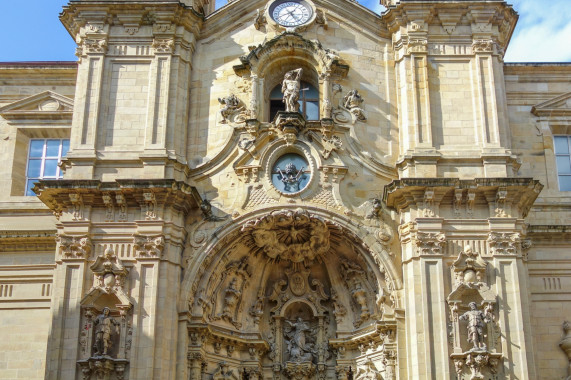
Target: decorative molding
x=430 y=243
x=308 y=236
x=148 y=246
x=74 y=247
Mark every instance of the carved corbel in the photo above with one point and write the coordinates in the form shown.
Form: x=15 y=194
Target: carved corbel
x=470 y=202
x=74 y=246
x=109 y=207
x=76 y=206
x=500 y=206
x=149 y=205
x=122 y=203
x=458 y=194
x=428 y=203
x=148 y=246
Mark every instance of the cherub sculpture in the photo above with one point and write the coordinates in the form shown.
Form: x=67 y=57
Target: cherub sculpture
x=352 y=101
x=230 y=105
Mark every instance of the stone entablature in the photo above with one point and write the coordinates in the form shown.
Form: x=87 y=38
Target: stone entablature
x=453 y=198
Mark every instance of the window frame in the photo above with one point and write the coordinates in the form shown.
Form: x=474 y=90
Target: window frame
x=43 y=158
x=303 y=100
x=557 y=155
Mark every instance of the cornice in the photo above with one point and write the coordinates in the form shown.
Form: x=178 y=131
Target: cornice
x=60 y=195
x=78 y=14
x=32 y=240
x=507 y=195
x=488 y=25
x=560 y=232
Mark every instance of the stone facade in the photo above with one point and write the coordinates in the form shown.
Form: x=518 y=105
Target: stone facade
x=420 y=232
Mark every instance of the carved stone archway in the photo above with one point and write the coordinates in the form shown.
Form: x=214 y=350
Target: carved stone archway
x=292 y=293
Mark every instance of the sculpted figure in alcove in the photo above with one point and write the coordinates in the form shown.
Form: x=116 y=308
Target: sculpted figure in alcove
x=291 y=86
x=105 y=325
x=298 y=347
x=477 y=320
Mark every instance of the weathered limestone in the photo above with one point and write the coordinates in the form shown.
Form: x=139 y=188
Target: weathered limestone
x=415 y=230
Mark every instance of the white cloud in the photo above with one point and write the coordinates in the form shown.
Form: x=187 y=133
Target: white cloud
x=543 y=32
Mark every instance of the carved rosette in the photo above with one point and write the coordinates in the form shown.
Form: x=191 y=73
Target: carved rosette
x=292 y=235
x=148 y=246
x=74 y=247
x=430 y=243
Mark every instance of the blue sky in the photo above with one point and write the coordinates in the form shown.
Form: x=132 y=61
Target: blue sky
x=33 y=32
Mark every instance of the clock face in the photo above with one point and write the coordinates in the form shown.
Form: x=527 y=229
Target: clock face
x=291 y=13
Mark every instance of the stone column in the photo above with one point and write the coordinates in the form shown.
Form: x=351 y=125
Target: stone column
x=91 y=51
x=254 y=106
x=326 y=91
x=73 y=252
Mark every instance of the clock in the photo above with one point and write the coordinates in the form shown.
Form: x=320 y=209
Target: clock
x=290 y=13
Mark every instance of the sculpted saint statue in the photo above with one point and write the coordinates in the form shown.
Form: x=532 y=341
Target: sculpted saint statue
x=476 y=322
x=103 y=324
x=232 y=294
x=290 y=88
x=297 y=346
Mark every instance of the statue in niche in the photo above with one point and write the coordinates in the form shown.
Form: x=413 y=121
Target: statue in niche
x=352 y=101
x=477 y=320
x=230 y=105
x=291 y=86
x=298 y=347
x=231 y=296
x=360 y=296
x=104 y=324
x=291 y=178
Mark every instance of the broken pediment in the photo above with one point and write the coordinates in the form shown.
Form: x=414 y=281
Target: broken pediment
x=283 y=44
x=46 y=105
x=108 y=288
x=558 y=106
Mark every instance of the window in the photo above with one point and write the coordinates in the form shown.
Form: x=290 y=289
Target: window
x=563 y=159
x=308 y=101
x=290 y=173
x=43 y=158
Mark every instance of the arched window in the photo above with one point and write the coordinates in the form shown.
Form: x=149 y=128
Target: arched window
x=308 y=101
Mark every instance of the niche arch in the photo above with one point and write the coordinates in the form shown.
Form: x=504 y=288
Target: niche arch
x=286 y=288
x=365 y=243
